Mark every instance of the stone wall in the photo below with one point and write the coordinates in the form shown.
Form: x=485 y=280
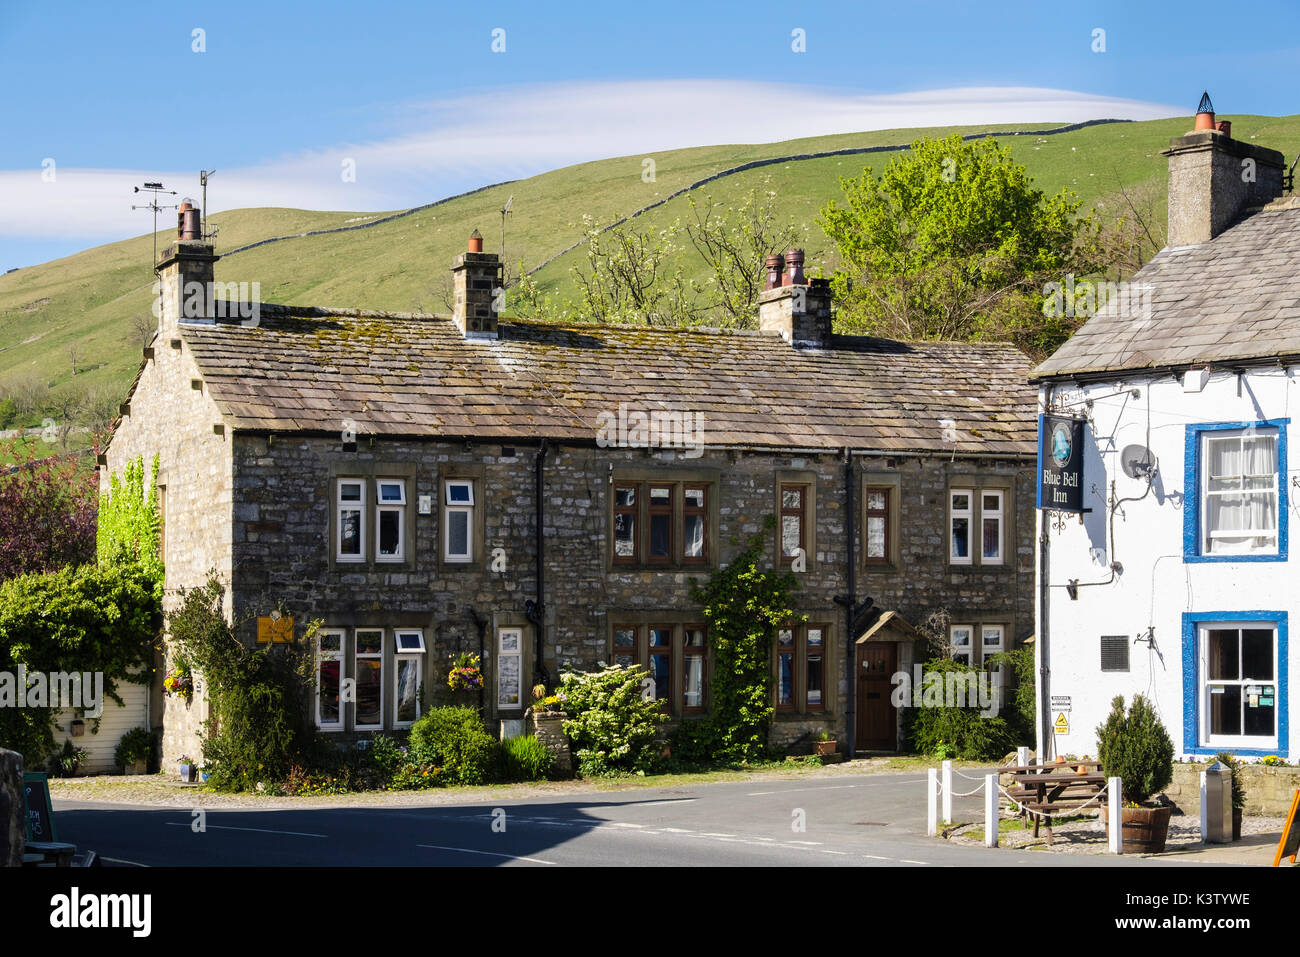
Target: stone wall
x=283 y=508
x=1269 y=790
x=170 y=418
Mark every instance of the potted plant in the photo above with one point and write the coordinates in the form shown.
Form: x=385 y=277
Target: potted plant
x=825 y=744
x=1238 y=790
x=1135 y=748
x=66 y=762
x=466 y=673
x=133 y=749
x=187 y=768
x=179 y=683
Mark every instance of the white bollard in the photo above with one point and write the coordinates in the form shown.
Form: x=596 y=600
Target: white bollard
x=932 y=802
x=990 y=810
x=947 y=792
x=1115 y=808
x=1203 y=821
x=1022 y=756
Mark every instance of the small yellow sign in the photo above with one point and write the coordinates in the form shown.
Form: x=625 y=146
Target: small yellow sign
x=275 y=629
x=1062 y=725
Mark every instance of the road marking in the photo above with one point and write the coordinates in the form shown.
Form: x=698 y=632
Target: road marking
x=660 y=803
x=877 y=857
x=714 y=834
x=623 y=824
x=259 y=830
x=904 y=860
x=467 y=850
x=813 y=843
x=833 y=787
x=118 y=860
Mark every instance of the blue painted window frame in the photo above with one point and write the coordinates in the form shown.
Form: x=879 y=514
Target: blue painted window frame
x=1192 y=622
x=1192 y=490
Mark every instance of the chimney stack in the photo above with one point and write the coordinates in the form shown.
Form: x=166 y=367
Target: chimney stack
x=796 y=309
x=185 y=273
x=1214 y=179
x=476 y=280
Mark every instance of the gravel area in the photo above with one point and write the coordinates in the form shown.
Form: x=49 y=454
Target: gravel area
x=1089 y=836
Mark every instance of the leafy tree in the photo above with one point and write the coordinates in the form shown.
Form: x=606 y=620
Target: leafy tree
x=613 y=727
x=630 y=276
x=734 y=241
x=47 y=512
x=952 y=241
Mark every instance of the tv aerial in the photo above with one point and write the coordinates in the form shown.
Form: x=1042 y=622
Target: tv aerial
x=156 y=192
x=209 y=232
x=1138 y=461
x=505 y=211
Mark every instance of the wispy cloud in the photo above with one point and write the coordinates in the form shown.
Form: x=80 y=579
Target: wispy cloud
x=451 y=145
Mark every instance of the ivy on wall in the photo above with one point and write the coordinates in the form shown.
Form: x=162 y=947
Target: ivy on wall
x=130 y=526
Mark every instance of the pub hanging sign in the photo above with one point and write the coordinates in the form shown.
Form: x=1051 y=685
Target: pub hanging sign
x=1060 y=463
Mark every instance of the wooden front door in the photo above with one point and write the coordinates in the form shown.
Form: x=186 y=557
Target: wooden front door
x=877 y=721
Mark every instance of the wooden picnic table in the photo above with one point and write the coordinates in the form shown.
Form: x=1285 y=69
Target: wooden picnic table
x=1043 y=788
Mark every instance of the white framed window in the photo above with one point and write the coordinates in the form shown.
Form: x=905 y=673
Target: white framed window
x=961 y=513
x=408 y=671
x=458 y=520
x=1239 y=668
x=390 y=520
x=991 y=526
x=510 y=677
x=350 y=520
x=992 y=642
x=368 y=672
x=962 y=639
x=1239 y=492
x=329 y=680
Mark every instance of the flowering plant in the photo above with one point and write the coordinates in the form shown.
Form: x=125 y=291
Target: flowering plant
x=178 y=682
x=185 y=759
x=466 y=674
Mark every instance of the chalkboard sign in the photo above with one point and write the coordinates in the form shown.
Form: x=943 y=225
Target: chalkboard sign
x=40 y=812
x=1290 y=842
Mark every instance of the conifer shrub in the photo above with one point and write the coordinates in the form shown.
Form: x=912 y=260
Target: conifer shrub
x=1135 y=748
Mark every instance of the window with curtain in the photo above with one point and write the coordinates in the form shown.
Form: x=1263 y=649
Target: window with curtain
x=1239 y=489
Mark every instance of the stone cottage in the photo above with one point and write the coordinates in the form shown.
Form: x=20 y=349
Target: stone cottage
x=543 y=494
x=1172 y=576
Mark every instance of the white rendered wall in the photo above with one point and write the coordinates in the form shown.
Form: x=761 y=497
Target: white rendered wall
x=1157 y=586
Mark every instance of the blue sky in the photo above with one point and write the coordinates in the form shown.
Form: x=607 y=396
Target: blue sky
x=414 y=95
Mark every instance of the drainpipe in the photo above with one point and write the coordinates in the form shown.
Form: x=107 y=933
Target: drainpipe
x=1042 y=640
x=535 y=608
x=850 y=698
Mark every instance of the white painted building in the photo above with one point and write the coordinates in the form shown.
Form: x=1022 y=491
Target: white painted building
x=1179 y=580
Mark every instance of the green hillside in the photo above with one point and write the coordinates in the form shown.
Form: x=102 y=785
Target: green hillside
x=87 y=301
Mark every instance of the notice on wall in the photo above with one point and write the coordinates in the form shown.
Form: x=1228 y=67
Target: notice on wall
x=1060 y=702
x=276 y=628
x=1060 y=463
x=1062 y=725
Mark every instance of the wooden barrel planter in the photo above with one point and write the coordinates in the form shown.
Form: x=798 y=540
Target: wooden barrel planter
x=1145 y=828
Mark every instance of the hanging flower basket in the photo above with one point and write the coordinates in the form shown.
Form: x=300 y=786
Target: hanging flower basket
x=179 y=683
x=466 y=673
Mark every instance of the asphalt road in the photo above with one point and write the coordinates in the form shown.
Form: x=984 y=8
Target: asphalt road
x=867 y=820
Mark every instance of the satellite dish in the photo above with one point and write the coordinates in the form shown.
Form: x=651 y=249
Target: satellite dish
x=1137 y=461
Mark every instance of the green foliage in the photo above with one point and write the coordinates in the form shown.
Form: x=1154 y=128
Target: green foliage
x=260 y=728
x=1238 y=784
x=129 y=526
x=66 y=763
x=743 y=605
x=953 y=242
x=613 y=728
x=8 y=412
x=955 y=732
x=454 y=740
x=1020 y=709
x=85 y=619
x=526 y=759
x=135 y=745
x=1135 y=747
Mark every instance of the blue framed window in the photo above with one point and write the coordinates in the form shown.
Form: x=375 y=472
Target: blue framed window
x=1235 y=682
x=1235 y=509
